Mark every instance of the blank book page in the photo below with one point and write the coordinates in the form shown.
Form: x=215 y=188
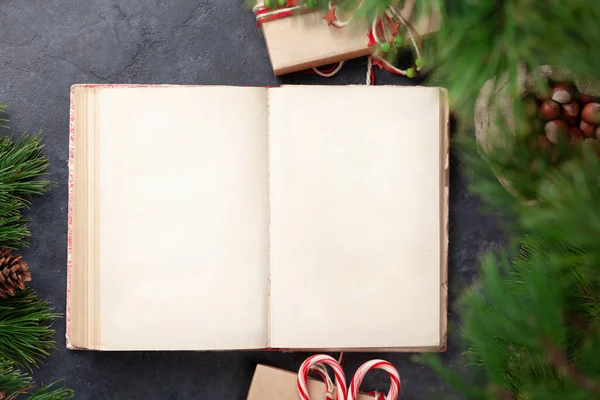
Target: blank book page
x=183 y=218
x=354 y=217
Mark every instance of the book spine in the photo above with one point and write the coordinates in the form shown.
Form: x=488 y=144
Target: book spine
x=71 y=194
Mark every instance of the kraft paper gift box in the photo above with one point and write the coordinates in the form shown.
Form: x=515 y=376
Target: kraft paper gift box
x=303 y=41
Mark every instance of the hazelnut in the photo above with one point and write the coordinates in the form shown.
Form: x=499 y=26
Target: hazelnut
x=591 y=113
x=588 y=130
x=561 y=93
x=585 y=98
x=556 y=131
x=549 y=110
x=570 y=111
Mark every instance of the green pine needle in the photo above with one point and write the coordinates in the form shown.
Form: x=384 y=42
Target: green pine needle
x=529 y=332
x=2 y=120
x=11 y=379
x=22 y=164
x=50 y=393
x=25 y=328
x=15 y=384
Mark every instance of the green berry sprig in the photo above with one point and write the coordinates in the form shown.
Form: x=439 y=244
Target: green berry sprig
x=385 y=47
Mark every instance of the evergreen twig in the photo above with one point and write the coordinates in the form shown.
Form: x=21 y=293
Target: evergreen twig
x=14 y=384
x=51 y=393
x=25 y=328
x=12 y=380
x=2 y=120
x=22 y=164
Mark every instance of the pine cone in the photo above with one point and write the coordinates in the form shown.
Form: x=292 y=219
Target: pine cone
x=14 y=272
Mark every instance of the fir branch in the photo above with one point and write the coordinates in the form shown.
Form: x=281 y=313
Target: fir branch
x=560 y=362
x=13 y=231
x=14 y=385
x=2 y=120
x=25 y=328
x=51 y=393
x=22 y=164
x=12 y=381
x=516 y=327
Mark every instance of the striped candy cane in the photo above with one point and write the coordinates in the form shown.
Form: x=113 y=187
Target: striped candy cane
x=375 y=364
x=317 y=363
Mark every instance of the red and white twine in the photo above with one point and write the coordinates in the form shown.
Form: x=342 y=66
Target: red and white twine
x=317 y=364
x=264 y=14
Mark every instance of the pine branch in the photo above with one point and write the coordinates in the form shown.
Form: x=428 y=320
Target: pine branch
x=22 y=163
x=15 y=385
x=12 y=380
x=25 y=328
x=2 y=120
x=50 y=393
x=560 y=362
x=516 y=327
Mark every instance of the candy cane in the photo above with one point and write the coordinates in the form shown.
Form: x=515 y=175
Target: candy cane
x=375 y=364
x=340 y=379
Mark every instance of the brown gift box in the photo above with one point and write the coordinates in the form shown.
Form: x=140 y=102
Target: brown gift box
x=305 y=40
x=271 y=383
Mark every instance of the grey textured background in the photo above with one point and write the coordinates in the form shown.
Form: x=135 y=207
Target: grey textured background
x=48 y=45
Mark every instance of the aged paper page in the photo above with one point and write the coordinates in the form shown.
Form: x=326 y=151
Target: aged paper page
x=183 y=214
x=355 y=217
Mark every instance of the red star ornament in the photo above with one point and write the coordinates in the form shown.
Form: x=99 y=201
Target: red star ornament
x=394 y=27
x=330 y=16
x=371 y=39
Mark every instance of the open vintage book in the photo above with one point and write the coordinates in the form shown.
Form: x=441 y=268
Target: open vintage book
x=296 y=217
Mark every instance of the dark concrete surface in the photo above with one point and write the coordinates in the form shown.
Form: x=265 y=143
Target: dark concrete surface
x=48 y=45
